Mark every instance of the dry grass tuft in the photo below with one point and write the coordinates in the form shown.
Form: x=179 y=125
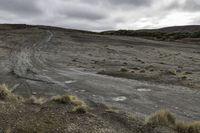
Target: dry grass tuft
x=162 y=118
x=80 y=109
x=62 y=99
x=36 y=101
x=67 y=99
x=80 y=106
x=182 y=127
x=123 y=69
x=4 y=92
x=172 y=72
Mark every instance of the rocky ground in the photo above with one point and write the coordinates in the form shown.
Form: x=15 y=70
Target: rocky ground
x=132 y=74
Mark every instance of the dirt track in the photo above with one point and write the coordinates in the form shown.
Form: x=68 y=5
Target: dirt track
x=159 y=75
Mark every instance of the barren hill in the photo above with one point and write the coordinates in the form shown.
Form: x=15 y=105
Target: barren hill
x=132 y=74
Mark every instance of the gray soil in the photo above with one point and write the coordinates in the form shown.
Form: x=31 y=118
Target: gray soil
x=44 y=61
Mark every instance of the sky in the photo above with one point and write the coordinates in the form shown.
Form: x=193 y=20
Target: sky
x=101 y=15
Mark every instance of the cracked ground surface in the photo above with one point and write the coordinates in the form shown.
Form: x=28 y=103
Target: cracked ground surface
x=46 y=61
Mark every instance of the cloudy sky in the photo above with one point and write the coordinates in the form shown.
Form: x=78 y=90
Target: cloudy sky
x=98 y=15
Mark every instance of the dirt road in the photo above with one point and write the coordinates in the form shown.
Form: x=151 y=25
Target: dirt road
x=46 y=61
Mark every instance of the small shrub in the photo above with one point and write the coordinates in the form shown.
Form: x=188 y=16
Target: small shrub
x=184 y=77
x=182 y=127
x=194 y=127
x=187 y=73
x=62 y=99
x=132 y=71
x=80 y=109
x=37 y=101
x=142 y=71
x=67 y=99
x=123 y=69
x=162 y=118
x=125 y=63
x=136 y=68
x=110 y=110
x=172 y=72
x=4 y=92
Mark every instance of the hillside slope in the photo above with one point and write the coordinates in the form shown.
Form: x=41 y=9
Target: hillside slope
x=167 y=33
x=132 y=74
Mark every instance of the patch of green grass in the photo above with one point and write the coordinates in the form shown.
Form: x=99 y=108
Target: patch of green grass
x=162 y=118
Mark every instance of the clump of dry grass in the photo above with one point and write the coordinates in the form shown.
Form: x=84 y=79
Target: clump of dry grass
x=172 y=72
x=187 y=73
x=123 y=69
x=142 y=71
x=62 y=99
x=80 y=106
x=162 y=118
x=193 y=127
x=4 y=92
x=67 y=99
x=36 y=101
x=80 y=109
x=167 y=119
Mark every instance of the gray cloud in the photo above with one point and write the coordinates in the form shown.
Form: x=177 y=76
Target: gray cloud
x=20 y=7
x=192 y=5
x=131 y=2
x=100 y=15
x=85 y=12
x=120 y=3
x=187 y=5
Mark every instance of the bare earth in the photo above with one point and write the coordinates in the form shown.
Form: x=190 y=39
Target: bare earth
x=134 y=75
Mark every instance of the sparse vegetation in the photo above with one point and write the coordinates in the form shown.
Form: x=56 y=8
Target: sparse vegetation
x=155 y=34
x=4 y=92
x=80 y=106
x=167 y=119
x=142 y=71
x=67 y=99
x=172 y=72
x=80 y=109
x=162 y=118
x=187 y=73
x=62 y=99
x=189 y=127
x=123 y=69
x=184 y=77
x=151 y=70
x=37 y=101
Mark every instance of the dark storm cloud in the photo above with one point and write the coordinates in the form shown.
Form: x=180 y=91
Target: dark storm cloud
x=20 y=7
